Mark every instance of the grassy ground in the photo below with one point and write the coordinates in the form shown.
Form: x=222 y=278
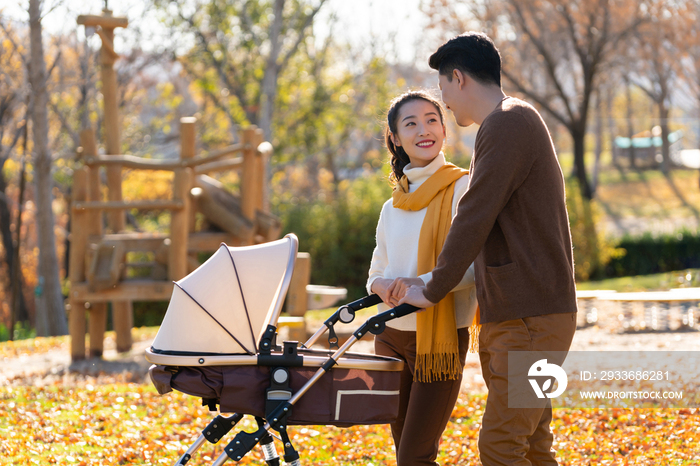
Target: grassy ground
x=654 y=282
x=647 y=196
x=650 y=195
x=110 y=420
x=95 y=423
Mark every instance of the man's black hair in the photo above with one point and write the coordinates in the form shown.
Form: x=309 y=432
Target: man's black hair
x=473 y=53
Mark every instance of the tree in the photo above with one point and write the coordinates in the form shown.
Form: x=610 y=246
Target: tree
x=554 y=52
x=691 y=68
x=243 y=47
x=50 y=311
x=657 y=46
x=630 y=120
x=691 y=62
x=326 y=98
x=327 y=118
x=13 y=123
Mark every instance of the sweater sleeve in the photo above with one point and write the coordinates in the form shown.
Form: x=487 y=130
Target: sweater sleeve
x=501 y=163
x=380 y=258
x=468 y=278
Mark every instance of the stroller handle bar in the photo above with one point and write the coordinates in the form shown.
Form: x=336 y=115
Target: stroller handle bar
x=367 y=301
x=376 y=324
x=344 y=314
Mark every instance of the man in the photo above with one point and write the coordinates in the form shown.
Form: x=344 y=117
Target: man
x=512 y=223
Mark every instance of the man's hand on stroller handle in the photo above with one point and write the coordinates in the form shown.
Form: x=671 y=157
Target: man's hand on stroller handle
x=392 y=291
x=400 y=285
x=414 y=296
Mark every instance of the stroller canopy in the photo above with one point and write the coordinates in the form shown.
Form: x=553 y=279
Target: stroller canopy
x=225 y=305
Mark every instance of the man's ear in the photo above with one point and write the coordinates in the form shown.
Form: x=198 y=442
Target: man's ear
x=460 y=77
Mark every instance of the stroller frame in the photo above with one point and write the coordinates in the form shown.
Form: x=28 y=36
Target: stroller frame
x=279 y=397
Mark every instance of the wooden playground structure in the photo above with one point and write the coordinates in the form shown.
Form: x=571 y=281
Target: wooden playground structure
x=99 y=256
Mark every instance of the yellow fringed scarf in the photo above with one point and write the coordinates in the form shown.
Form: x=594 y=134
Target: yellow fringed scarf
x=474 y=332
x=437 y=346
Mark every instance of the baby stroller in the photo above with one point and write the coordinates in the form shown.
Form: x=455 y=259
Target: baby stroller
x=218 y=342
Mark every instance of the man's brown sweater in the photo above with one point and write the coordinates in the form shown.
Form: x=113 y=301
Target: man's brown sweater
x=511 y=222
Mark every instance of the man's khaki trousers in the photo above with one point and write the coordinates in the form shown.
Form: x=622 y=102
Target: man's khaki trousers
x=518 y=436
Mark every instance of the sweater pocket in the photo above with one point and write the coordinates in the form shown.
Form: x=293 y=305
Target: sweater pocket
x=501 y=269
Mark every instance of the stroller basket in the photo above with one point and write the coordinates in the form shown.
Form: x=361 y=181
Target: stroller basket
x=218 y=342
x=351 y=394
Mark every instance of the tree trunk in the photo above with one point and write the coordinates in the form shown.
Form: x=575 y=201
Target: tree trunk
x=611 y=124
x=598 y=141
x=268 y=90
x=630 y=122
x=579 y=163
x=268 y=93
x=7 y=243
x=665 y=145
x=51 y=315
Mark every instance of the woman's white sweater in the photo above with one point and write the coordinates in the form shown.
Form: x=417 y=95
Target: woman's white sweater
x=396 y=254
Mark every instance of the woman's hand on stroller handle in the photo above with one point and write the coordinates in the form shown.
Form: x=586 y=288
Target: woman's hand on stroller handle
x=381 y=286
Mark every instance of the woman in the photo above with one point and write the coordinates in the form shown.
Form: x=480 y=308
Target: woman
x=412 y=228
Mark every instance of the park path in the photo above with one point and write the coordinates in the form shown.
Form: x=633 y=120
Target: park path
x=45 y=368
x=597 y=339
x=48 y=366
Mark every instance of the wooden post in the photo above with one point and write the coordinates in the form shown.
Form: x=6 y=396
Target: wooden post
x=98 y=311
x=296 y=296
x=249 y=176
x=188 y=138
x=76 y=272
x=89 y=145
x=123 y=320
x=188 y=148
x=117 y=219
x=258 y=138
x=180 y=219
x=105 y=25
x=264 y=153
x=97 y=326
x=179 y=225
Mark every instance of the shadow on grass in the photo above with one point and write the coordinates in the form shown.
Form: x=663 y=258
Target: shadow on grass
x=681 y=197
x=611 y=214
x=136 y=368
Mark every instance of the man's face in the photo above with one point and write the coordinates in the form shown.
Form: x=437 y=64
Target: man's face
x=455 y=98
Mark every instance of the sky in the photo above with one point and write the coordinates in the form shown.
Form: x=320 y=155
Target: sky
x=361 y=19
x=357 y=21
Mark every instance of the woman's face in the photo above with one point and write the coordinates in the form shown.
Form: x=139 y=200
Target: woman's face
x=419 y=131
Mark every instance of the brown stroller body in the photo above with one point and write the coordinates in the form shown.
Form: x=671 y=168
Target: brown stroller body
x=218 y=342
